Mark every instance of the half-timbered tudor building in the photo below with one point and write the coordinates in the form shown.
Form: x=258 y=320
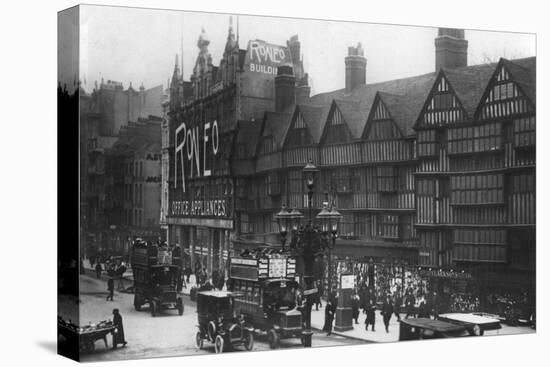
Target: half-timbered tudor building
x=475 y=181
x=435 y=171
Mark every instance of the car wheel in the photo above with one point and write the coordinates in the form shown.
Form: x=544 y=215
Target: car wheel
x=212 y=329
x=218 y=344
x=249 y=341
x=273 y=339
x=199 y=342
x=180 y=306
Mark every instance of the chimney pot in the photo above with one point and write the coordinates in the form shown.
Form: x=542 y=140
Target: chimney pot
x=451 y=49
x=356 y=68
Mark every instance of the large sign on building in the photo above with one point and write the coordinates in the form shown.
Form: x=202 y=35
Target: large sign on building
x=197 y=190
x=265 y=58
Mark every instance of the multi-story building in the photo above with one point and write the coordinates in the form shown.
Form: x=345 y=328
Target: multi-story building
x=102 y=115
x=134 y=192
x=476 y=169
x=433 y=171
x=203 y=117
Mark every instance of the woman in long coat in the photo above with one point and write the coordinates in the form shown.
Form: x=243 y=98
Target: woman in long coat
x=118 y=336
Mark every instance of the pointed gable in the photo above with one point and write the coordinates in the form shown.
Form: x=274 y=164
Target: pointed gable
x=442 y=106
x=246 y=139
x=273 y=131
x=469 y=83
x=511 y=90
x=314 y=117
x=298 y=133
x=336 y=129
x=380 y=124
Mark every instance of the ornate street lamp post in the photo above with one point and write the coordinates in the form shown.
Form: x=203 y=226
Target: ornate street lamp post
x=283 y=222
x=288 y=220
x=309 y=240
x=330 y=221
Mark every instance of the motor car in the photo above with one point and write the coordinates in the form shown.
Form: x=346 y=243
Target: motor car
x=219 y=322
x=476 y=322
x=425 y=328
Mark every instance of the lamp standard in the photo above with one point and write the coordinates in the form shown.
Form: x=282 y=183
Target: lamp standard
x=283 y=222
x=330 y=220
x=309 y=240
x=287 y=220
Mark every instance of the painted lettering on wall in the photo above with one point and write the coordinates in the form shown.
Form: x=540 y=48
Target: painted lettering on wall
x=265 y=58
x=190 y=150
x=198 y=208
x=264 y=53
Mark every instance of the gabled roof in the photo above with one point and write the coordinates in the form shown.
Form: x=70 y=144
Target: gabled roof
x=394 y=104
x=524 y=73
x=277 y=124
x=357 y=104
x=249 y=134
x=469 y=84
x=355 y=115
x=313 y=116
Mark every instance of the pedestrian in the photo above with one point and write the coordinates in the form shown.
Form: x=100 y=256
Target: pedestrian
x=215 y=280
x=317 y=296
x=355 y=307
x=98 y=270
x=397 y=303
x=423 y=311
x=188 y=272
x=387 y=311
x=198 y=268
x=370 y=309
x=435 y=305
x=329 y=317
x=410 y=302
x=120 y=274
x=118 y=336
x=110 y=288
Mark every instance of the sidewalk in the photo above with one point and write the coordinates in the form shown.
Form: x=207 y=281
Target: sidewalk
x=358 y=332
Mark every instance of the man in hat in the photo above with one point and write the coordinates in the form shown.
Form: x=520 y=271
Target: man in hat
x=110 y=288
x=118 y=336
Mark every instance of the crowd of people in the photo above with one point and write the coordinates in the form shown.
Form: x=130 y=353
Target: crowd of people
x=459 y=302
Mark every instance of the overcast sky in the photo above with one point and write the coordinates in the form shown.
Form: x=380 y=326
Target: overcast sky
x=139 y=45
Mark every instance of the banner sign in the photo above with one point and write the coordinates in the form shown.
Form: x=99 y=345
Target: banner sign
x=263 y=268
x=445 y=274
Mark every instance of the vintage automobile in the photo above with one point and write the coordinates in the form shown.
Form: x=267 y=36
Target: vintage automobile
x=156 y=273
x=424 y=328
x=476 y=323
x=269 y=289
x=219 y=323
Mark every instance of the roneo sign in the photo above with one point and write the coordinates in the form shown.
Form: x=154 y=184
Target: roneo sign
x=265 y=58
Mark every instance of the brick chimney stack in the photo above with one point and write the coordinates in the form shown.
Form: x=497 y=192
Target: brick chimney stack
x=356 y=68
x=285 y=89
x=303 y=90
x=451 y=49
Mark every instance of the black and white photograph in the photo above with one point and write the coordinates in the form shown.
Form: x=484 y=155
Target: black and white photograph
x=260 y=183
